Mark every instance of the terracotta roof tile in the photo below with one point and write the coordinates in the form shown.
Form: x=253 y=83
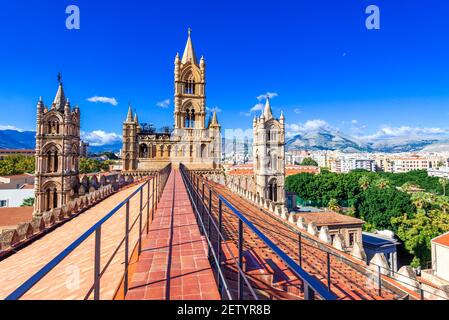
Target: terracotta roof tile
x=10 y=217
x=329 y=218
x=443 y=240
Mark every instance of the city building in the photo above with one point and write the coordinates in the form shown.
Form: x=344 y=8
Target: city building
x=439 y=172
x=350 y=228
x=12 y=152
x=13 y=198
x=15 y=181
x=84 y=149
x=195 y=144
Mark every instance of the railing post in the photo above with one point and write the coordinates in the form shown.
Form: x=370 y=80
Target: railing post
x=153 y=198
x=148 y=207
x=421 y=291
x=309 y=294
x=97 y=263
x=203 y=207
x=140 y=221
x=329 y=272
x=220 y=227
x=125 y=282
x=300 y=249
x=379 y=279
x=240 y=279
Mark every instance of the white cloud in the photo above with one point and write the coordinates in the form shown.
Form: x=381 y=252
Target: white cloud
x=100 y=138
x=257 y=107
x=245 y=114
x=267 y=95
x=297 y=111
x=164 y=104
x=10 y=127
x=214 y=109
x=97 y=99
x=309 y=126
x=388 y=132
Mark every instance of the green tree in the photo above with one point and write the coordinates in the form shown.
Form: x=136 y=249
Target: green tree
x=417 y=232
x=309 y=162
x=378 y=206
x=13 y=165
x=333 y=205
x=364 y=182
x=28 y=202
x=443 y=183
x=92 y=166
x=382 y=183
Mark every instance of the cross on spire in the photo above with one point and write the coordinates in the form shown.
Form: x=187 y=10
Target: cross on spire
x=59 y=77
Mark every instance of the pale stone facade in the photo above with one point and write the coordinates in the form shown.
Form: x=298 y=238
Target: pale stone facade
x=57 y=152
x=192 y=142
x=269 y=156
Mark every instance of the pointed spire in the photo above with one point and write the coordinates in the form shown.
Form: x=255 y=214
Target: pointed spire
x=136 y=118
x=214 y=122
x=282 y=118
x=268 y=114
x=189 y=52
x=60 y=99
x=129 y=118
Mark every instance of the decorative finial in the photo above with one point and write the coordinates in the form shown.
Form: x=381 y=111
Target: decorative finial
x=190 y=31
x=59 y=78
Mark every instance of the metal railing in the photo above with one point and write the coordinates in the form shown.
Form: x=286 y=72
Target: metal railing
x=203 y=210
x=156 y=183
x=382 y=278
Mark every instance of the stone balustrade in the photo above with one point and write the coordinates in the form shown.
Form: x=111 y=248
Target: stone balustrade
x=11 y=238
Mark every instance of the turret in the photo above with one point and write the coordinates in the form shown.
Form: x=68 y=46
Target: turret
x=129 y=117
x=67 y=112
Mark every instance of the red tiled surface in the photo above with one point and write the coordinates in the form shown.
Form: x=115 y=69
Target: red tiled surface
x=73 y=277
x=173 y=264
x=348 y=283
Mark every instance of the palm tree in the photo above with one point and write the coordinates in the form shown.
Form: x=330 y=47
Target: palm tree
x=383 y=183
x=28 y=202
x=364 y=182
x=333 y=205
x=444 y=183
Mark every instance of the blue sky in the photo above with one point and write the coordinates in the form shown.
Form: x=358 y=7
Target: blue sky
x=324 y=66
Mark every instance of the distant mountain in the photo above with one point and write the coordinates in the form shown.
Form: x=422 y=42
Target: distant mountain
x=320 y=139
x=11 y=139
x=325 y=139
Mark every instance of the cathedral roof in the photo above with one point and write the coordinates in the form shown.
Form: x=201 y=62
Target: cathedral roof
x=189 y=53
x=60 y=99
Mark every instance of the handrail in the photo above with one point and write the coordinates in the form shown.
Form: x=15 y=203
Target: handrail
x=39 y=275
x=216 y=258
x=309 y=281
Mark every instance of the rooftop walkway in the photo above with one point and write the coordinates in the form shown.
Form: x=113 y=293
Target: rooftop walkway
x=72 y=278
x=173 y=264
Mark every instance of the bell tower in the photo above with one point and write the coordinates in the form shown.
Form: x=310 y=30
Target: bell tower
x=57 y=152
x=269 y=155
x=190 y=90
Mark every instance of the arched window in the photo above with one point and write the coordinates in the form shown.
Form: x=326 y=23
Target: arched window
x=187 y=119
x=192 y=119
x=52 y=161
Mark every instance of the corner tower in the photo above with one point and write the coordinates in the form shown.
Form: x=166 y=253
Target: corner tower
x=269 y=155
x=57 y=152
x=190 y=90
